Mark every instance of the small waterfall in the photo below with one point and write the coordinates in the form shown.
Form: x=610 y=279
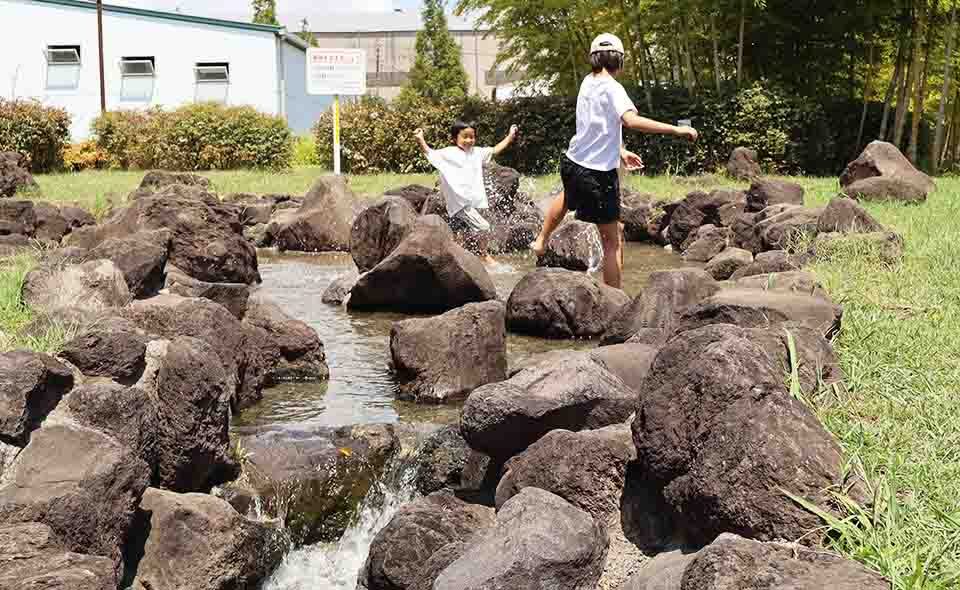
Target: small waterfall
x=335 y=566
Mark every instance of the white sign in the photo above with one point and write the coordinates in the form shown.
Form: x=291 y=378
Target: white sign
x=336 y=71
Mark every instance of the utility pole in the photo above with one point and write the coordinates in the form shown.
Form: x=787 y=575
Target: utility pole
x=103 y=91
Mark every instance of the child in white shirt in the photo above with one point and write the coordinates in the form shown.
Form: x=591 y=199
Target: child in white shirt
x=461 y=180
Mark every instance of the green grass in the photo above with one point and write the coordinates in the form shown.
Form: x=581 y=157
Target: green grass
x=898 y=418
x=16 y=331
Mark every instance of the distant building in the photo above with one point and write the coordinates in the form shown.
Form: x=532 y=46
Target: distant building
x=49 y=51
x=390 y=42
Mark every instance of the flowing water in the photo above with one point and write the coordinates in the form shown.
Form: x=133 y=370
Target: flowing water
x=361 y=390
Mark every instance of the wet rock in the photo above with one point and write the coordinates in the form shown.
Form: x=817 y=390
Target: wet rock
x=586 y=469
x=651 y=316
x=206 y=235
x=157 y=179
x=846 y=216
x=753 y=308
x=81 y=483
x=339 y=289
x=112 y=348
x=710 y=240
x=438 y=562
x=379 y=229
x=33 y=558
x=322 y=224
x=743 y=164
x=441 y=460
x=416 y=533
x=557 y=303
x=141 y=257
x=93 y=285
x=17 y=218
x=428 y=271
x=50 y=224
x=302 y=357
x=444 y=358
x=415 y=194
x=315 y=480
x=233 y=296
x=513 y=553
x=14 y=174
x=31 y=386
x=643 y=218
x=885 y=247
x=502 y=419
x=574 y=246
x=226 y=550
x=765 y=192
x=774 y=261
x=722 y=266
x=793 y=281
x=685 y=220
x=719 y=431
x=895 y=177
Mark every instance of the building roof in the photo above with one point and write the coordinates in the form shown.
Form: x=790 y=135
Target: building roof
x=381 y=22
x=174 y=16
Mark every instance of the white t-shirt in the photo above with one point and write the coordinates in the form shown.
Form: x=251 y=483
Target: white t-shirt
x=461 y=176
x=601 y=104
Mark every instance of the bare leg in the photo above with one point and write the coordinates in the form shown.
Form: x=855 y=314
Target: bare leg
x=483 y=248
x=554 y=216
x=612 y=253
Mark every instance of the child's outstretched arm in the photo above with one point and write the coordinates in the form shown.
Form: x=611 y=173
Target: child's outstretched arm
x=418 y=133
x=633 y=121
x=506 y=141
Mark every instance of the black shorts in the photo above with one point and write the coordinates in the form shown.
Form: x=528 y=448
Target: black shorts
x=593 y=194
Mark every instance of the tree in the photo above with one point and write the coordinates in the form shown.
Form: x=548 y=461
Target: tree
x=265 y=12
x=945 y=92
x=437 y=71
x=306 y=34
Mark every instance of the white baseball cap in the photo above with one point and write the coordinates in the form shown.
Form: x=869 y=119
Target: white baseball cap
x=606 y=42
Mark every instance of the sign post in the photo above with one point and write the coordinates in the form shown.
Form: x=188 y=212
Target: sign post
x=336 y=72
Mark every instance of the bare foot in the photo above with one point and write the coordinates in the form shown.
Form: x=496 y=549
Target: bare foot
x=489 y=260
x=538 y=247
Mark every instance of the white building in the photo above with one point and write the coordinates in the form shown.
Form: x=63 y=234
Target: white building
x=49 y=51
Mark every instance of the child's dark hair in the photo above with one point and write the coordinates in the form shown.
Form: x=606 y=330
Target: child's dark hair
x=612 y=61
x=458 y=126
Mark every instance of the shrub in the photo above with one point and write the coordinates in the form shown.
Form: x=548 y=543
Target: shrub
x=83 y=156
x=206 y=136
x=38 y=132
x=305 y=151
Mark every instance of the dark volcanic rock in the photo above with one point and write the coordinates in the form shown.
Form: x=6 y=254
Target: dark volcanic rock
x=896 y=176
x=743 y=164
x=379 y=229
x=722 y=266
x=233 y=296
x=846 y=216
x=31 y=386
x=322 y=223
x=141 y=257
x=33 y=560
x=441 y=460
x=14 y=174
x=339 y=289
x=765 y=192
x=302 y=357
x=574 y=246
x=112 y=348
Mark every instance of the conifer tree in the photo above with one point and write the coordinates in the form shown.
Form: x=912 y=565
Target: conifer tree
x=437 y=72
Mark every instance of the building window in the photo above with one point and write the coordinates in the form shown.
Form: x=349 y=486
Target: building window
x=63 y=67
x=212 y=81
x=138 y=76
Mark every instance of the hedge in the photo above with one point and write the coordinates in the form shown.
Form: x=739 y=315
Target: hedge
x=204 y=136
x=791 y=135
x=38 y=132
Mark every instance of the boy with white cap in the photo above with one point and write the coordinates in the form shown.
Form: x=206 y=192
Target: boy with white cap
x=591 y=186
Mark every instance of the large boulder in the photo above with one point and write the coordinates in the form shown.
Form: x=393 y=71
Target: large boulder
x=502 y=419
x=441 y=460
x=539 y=542
x=846 y=216
x=708 y=241
x=722 y=266
x=719 y=432
x=206 y=236
x=753 y=308
x=33 y=559
x=743 y=164
x=322 y=223
x=765 y=192
x=379 y=229
x=575 y=246
x=92 y=286
x=630 y=362
x=141 y=257
x=558 y=303
x=112 y=347
x=443 y=358
x=225 y=549
x=80 y=482
x=14 y=174
x=233 y=296
x=651 y=316
x=50 y=226
x=418 y=531
x=428 y=271
x=586 y=468
x=31 y=386
x=685 y=220
x=898 y=179
x=643 y=218
x=302 y=357
x=699 y=208
x=316 y=479
x=17 y=218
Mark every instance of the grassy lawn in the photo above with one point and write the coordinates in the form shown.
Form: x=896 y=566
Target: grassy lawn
x=899 y=416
